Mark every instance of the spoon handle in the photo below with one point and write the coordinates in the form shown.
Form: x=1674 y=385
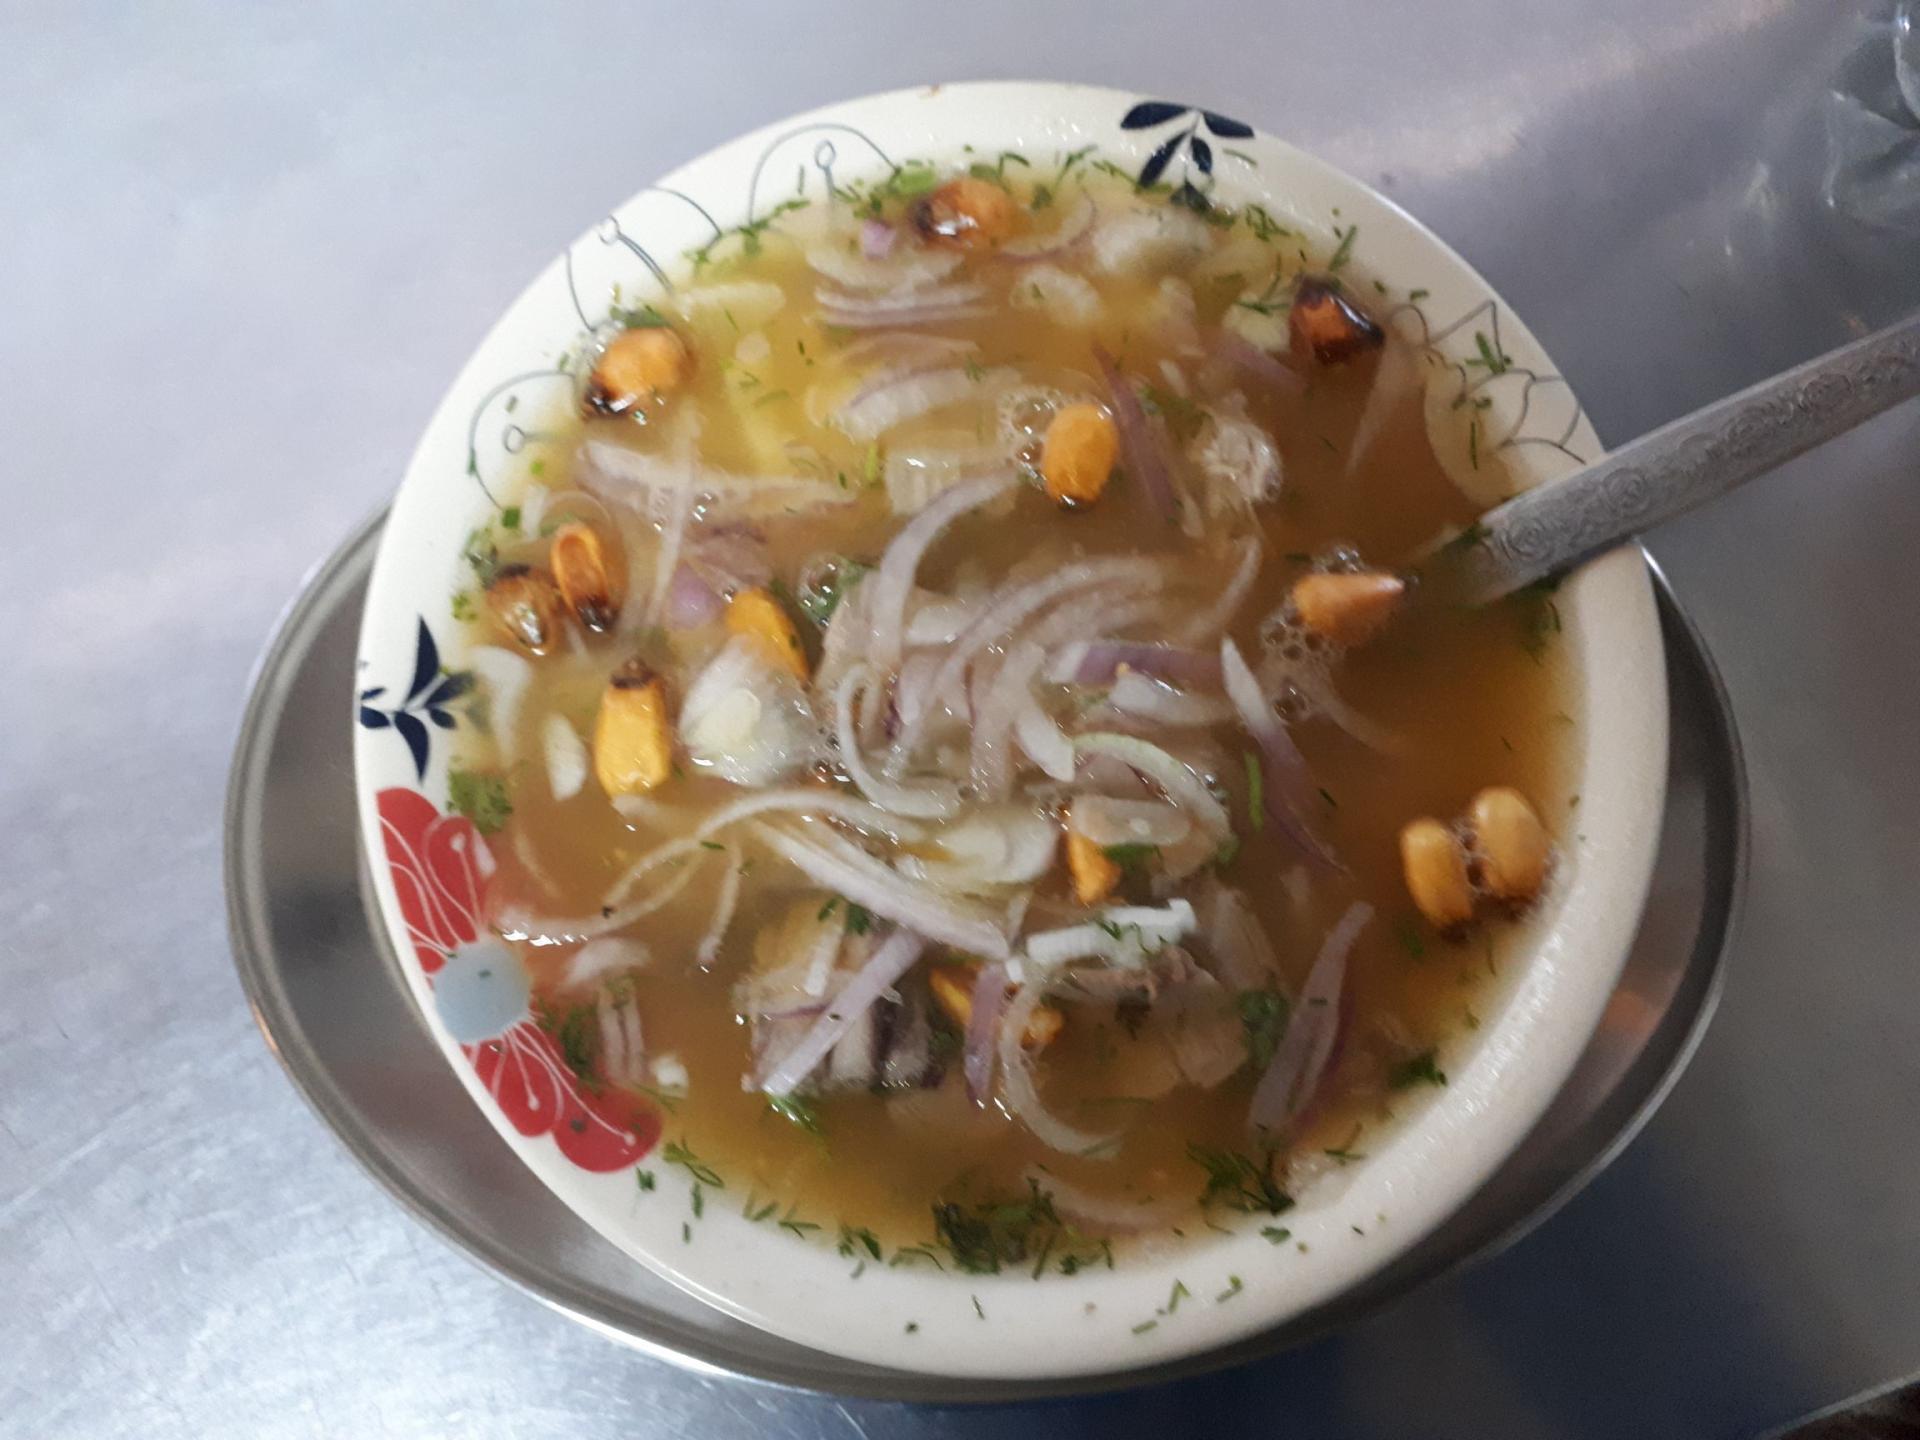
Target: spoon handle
x=1682 y=464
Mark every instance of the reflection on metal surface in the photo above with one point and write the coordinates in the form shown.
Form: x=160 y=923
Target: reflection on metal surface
x=327 y=992
x=1889 y=1414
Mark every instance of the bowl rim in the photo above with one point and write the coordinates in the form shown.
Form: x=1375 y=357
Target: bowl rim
x=913 y=1319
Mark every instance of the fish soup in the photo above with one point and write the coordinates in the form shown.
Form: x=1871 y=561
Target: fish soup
x=963 y=737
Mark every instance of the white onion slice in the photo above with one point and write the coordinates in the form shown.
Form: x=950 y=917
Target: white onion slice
x=623 y=1052
x=1068 y=235
x=724 y=905
x=516 y=925
x=1017 y=1087
x=1203 y=628
x=1105 y=820
x=983 y=1024
x=1150 y=699
x=1168 y=771
x=1126 y=936
x=893 y=958
x=1300 y=1062
x=857 y=270
x=1286 y=781
x=647 y=473
x=1395 y=378
x=566 y=757
x=746 y=721
x=505 y=675
x=898 y=396
x=934 y=801
x=988 y=848
x=606 y=956
x=1042 y=739
x=1114 y=1217
x=832 y=862
x=1096 y=662
x=891 y=585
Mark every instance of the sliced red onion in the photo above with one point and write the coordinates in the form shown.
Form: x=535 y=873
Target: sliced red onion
x=1300 y=1062
x=886 y=271
x=923 y=305
x=1259 y=364
x=1017 y=1087
x=730 y=557
x=994 y=712
x=1202 y=628
x=691 y=601
x=918 y=475
x=1142 y=452
x=1104 y=1215
x=724 y=905
x=1285 y=780
x=988 y=849
x=1008 y=610
x=1096 y=662
x=1395 y=378
x=649 y=474
x=893 y=398
x=826 y=954
x=876 y=239
x=900 y=348
x=934 y=801
x=832 y=862
x=983 y=1024
x=1067 y=236
x=1151 y=699
x=1108 y=821
x=1042 y=740
x=893 y=958
x=890 y=587
x=1183 y=786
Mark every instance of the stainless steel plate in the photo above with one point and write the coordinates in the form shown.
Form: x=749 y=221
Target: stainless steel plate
x=327 y=993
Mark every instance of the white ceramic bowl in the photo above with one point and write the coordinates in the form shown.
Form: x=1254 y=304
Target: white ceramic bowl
x=431 y=867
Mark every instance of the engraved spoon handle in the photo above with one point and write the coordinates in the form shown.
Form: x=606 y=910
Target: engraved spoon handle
x=1683 y=464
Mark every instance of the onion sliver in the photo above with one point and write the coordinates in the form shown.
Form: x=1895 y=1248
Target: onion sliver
x=514 y=925
x=936 y=801
x=863 y=270
x=1114 y=1217
x=890 y=587
x=1286 y=781
x=566 y=757
x=1168 y=771
x=893 y=958
x=983 y=1024
x=505 y=675
x=1042 y=739
x=1016 y=1083
x=1395 y=377
x=1202 y=628
x=1096 y=662
x=649 y=473
x=1141 y=452
x=1300 y=1061
x=723 y=908
x=605 y=956
x=1070 y=233
x=1009 y=610
x=1123 y=935
x=832 y=862
x=898 y=396
x=994 y=712
x=1248 y=357
x=1151 y=699
x=673 y=508
x=1105 y=820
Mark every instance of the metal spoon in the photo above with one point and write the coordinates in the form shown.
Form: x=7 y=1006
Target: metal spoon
x=1558 y=525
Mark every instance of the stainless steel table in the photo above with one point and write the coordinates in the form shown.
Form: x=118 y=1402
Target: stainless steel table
x=241 y=250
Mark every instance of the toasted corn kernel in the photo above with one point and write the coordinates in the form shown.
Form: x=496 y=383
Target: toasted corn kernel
x=590 y=581
x=952 y=987
x=1076 y=458
x=1510 y=844
x=1094 y=872
x=526 y=607
x=1325 y=325
x=632 y=737
x=638 y=365
x=1347 y=609
x=966 y=212
x=1435 y=864
x=755 y=613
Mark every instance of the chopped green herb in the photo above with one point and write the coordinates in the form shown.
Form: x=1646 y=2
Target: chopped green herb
x=1183 y=417
x=1234 y=1286
x=1327 y=795
x=1264 y=1014
x=482 y=555
x=758 y=1214
x=463 y=605
x=576 y=1033
x=976 y=1306
x=908 y=1254
x=792 y=1223
x=1132 y=857
x=1256 y=794
x=1179 y=1293
x=510 y=518
x=1275 y=1235
x=983 y=1236
x=1495 y=359
x=698 y=1198
x=1420 y=1070
x=1344 y=1152
x=1407 y=930
x=913 y=1327
x=859 y=919
x=873 y=466
x=1144 y=1326
x=796 y=1110
x=1345 y=251
x=711 y=845
x=637 y=317
x=856 y=1238
x=1228 y=852
x=644 y=1179
x=1416 y=296
x=1239 y=1182
x=826 y=911
x=976 y=372
x=676 y=1153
